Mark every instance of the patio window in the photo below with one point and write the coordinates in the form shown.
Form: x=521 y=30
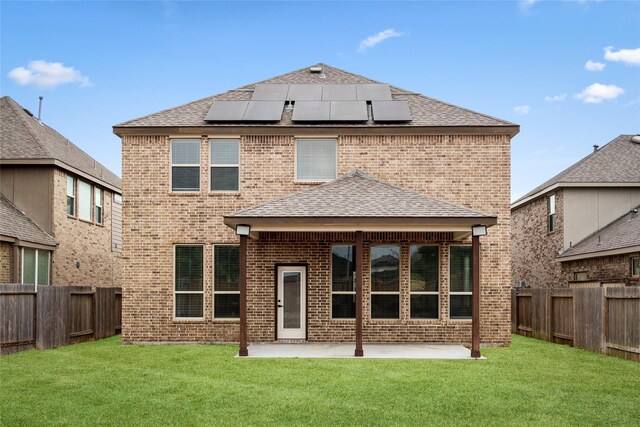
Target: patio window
x=85 y=201
x=97 y=196
x=343 y=289
x=424 y=277
x=316 y=159
x=71 y=196
x=552 y=213
x=460 y=282
x=225 y=164
x=189 y=293
x=635 y=266
x=385 y=282
x=226 y=281
x=35 y=266
x=185 y=165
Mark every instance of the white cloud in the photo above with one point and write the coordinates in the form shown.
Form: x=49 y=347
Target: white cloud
x=594 y=65
x=525 y=4
x=371 y=41
x=556 y=98
x=522 y=109
x=596 y=93
x=48 y=74
x=628 y=56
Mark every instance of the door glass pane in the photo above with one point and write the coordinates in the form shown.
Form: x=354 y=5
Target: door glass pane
x=291 y=287
x=385 y=268
x=29 y=266
x=43 y=267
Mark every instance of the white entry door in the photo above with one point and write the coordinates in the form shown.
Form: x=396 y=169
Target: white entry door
x=292 y=302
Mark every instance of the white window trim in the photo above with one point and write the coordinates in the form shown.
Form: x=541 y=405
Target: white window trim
x=398 y=292
x=551 y=213
x=631 y=259
x=91 y=199
x=220 y=165
x=339 y=292
x=467 y=319
x=101 y=206
x=36 y=265
x=74 y=196
x=295 y=161
x=213 y=282
x=175 y=300
x=425 y=292
x=172 y=165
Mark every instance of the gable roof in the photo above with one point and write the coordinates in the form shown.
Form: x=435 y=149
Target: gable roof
x=16 y=225
x=425 y=111
x=24 y=139
x=615 y=163
x=620 y=236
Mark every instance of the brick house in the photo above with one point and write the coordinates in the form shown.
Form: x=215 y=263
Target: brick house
x=555 y=224
x=318 y=206
x=69 y=205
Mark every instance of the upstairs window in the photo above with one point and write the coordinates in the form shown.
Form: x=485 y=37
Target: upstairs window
x=97 y=196
x=460 y=290
x=71 y=196
x=343 y=288
x=635 y=266
x=85 y=201
x=185 y=165
x=225 y=164
x=316 y=159
x=552 y=213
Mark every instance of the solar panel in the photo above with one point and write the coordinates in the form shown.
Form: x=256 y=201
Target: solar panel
x=311 y=111
x=339 y=93
x=270 y=92
x=390 y=111
x=348 y=111
x=305 y=92
x=373 y=92
x=264 y=111
x=226 y=111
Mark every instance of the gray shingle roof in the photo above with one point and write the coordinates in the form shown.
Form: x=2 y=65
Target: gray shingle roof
x=14 y=223
x=23 y=137
x=616 y=162
x=621 y=233
x=424 y=110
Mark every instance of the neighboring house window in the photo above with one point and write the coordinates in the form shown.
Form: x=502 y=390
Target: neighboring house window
x=460 y=282
x=552 y=213
x=635 y=267
x=85 y=201
x=116 y=223
x=189 y=292
x=316 y=159
x=343 y=273
x=580 y=276
x=185 y=165
x=225 y=164
x=385 y=282
x=226 y=281
x=424 y=280
x=71 y=196
x=98 y=197
x=35 y=266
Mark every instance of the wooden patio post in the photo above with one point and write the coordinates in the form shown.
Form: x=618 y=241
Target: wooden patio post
x=359 y=269
x=243 y=297
x=475 y=299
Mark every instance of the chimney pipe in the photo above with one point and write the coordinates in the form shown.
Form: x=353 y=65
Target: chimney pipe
x=39 y=107
x=595 y=148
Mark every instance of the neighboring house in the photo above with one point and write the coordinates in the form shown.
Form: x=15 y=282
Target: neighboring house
x=71 y=203
x=330 y=174
x=554 y=224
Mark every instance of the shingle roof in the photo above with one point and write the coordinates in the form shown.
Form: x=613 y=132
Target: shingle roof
x=621 y=233
x=14 y=223
x=23 y=137
x=616 y=162
x=425 y=111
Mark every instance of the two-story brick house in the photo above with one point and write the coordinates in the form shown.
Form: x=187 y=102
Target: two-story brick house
x=319 y=206
x=51 y=185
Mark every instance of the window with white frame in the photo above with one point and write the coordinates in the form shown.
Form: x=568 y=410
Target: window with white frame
x=580 y=276
x=635 y=266
x=185 y=165
x=35 y=266
x=460 y=282
x=98 y=197
x=189 y=290
x=424 y=282
x=552 y=213
x=85 y=200
x=385 y=282
x=71 y=196
x=225 y=164
x=226 y=281
x=316 y=159
x=343 y=289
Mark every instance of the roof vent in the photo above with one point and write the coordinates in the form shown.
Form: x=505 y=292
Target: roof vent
x=636 y=139
x=316 y=69
x=595 y=148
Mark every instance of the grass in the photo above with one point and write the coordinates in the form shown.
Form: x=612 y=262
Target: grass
x=104 y=383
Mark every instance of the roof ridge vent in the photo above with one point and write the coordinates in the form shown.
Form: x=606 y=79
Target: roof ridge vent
x=636 y=139
x=315 y=69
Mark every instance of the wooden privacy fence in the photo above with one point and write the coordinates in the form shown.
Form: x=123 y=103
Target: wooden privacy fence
x=606 y=320
x=56 y=315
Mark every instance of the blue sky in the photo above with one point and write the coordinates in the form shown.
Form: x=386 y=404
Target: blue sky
x=523 y=61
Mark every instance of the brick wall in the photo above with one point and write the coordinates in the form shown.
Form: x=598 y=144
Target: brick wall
x=599 y=268
x=6 y=259
x=533 y=248
x=155 y=219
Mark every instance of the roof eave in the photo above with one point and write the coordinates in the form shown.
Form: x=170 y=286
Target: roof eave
x=597 y=254
x=524 y=200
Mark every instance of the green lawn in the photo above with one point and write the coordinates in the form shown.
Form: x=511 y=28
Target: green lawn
x=102 y=382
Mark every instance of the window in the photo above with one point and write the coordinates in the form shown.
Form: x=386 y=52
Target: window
x=424 y=287
x=635 y=266
x=189 y=293
x=84 y=200
x=460 y=282
x=97 y=196
x=580 y=276
x=225 y=164
x=35 y=266
x=226 y=281
x=385 y=282
x=552 y=213
x=71 y=196
x=343 y=274
x=185 y=165
x=316 y=159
